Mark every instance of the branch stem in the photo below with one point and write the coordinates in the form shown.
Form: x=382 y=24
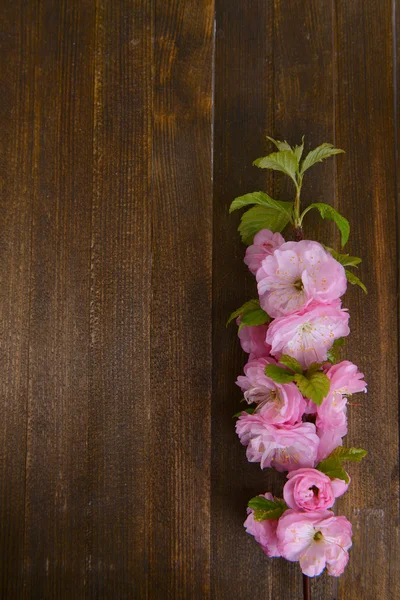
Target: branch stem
x=306 y=588
x=297 y=219
x=297 y=208
x=298 y=231
x=298 y=234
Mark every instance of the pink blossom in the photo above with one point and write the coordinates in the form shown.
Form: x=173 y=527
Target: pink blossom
x=297 y=273
x=340 y=486
x=284 y=447
x=311 y=408
x=278 y=403
x=252 y=340
x=309 y=333
x=332 y=414
x=309 y=489
x=315 y=539
x=346 y=379
x=263 y=531
x=328 y=441
x=265 y=242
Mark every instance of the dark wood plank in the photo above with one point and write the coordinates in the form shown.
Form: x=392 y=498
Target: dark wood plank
x=136 y=484
x=56 y=488
x=305 y=76
x=181 y=301
x=17 y=51
x=120 y=295
x=367 y=195
x=306 y=80
x=285 y=98
x=244 y=113
x=304 y=71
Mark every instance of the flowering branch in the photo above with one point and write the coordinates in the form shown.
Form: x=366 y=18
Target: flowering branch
x=293 y=382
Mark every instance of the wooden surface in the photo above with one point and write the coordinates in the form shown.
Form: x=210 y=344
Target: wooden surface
x=127 y=127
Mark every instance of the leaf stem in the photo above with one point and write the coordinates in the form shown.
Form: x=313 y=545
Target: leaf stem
x=296 y=209
x=304 y=213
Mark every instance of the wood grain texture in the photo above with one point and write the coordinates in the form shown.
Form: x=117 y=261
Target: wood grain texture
x=56 y=464
x=17 y=49
x=244 y=113
x=180 y=439
x=367 y=194
x=127 y=127
x=120 y=299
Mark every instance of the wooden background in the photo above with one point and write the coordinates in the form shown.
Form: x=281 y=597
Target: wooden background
x=126 y=129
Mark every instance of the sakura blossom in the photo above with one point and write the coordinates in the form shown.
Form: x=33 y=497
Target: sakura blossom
x=283 y=447
x=346 y=379
x=309 y=333
x=331 y=420
x=264 y=243
x=252 y=339
x=332 y=414
x=300 y=285
x=263 y=531
x=328 y=441
x=297 y=273
x=316 y=539
x=309 y=489
x=278 y=403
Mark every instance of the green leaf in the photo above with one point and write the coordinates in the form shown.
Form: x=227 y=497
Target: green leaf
x=353 y=454
x=333 y=468
x=328 y=212
x=343 y=259
x=351 y=261
x=278 y=374
x=254 y=317
x=318 y=155
x=262 y=217
x=284 y=161
x=298 y=150
x=313 y=368
x=248 y=306
x=315 y=387
x=250 y=313
x=332 y=465
x=261 y=199
x=281 y=502
x=334 y=352
x=267 y=509
x=262 y=515
x=261 y=503
x=249 y=411
x=282 y=146
x=291 y=362
x=353 y=279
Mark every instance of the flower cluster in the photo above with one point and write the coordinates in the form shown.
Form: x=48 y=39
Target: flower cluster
x=297 y=392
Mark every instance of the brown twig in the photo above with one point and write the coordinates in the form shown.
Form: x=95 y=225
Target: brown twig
x=298 y=234
x=306 y=588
